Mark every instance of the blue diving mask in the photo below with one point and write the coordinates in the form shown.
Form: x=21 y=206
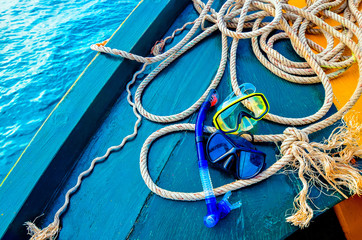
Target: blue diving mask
x=234 y=155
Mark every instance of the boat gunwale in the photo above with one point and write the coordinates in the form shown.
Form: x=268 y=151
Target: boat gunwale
x=60 y=140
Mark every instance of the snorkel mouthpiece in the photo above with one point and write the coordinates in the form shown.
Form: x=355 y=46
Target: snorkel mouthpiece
x=215 y=211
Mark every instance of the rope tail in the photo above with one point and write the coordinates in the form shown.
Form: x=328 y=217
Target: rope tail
x=328 y=164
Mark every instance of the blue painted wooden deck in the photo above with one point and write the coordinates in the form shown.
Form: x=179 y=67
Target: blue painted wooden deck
x=115 y=203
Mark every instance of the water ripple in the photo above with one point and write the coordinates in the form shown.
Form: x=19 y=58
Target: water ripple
x=44 y=45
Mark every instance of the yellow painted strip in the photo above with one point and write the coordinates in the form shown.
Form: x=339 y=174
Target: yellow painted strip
x=62 y=99
x=126 y=19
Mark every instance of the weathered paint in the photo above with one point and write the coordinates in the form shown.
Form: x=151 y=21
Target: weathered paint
x=114 y=202
x=349 y=212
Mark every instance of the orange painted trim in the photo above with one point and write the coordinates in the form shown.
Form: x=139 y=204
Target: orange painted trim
x=349 y=212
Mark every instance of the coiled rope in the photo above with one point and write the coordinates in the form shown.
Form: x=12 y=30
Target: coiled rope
x=312 y=160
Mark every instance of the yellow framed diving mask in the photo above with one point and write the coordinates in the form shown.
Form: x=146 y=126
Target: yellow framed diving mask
x=240 y=113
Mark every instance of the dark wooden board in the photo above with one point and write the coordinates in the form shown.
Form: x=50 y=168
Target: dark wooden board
x=114 y=202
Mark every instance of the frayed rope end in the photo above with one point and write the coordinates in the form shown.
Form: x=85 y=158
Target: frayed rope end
x=331 y=160
x=302 y=217
x=48 y=233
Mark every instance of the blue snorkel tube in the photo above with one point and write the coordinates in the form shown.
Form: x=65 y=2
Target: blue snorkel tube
x=215 y=211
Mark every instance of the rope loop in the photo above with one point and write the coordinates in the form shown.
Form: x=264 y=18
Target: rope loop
x=331 y=159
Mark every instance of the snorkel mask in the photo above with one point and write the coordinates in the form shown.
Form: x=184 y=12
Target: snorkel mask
x=240 y=113
x=234 y=155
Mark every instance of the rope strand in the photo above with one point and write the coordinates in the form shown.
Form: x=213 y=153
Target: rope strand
x=321 y=65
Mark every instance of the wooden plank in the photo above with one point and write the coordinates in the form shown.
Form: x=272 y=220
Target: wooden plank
x=349 y=216
x=115 y=200
x=116 y=191
x=115 y=203
x=52 y=152
x=266 y=204
x=349 y=212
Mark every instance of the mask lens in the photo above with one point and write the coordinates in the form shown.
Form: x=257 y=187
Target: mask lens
x=255 y=106
x=234 y=155
x=218 y=146
x=250 y=164
x=229 y=118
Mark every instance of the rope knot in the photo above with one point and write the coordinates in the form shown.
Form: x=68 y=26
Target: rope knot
x=158 y=47
x=330 y=159
x=293 y=135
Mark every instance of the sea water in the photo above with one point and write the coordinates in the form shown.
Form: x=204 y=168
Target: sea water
x=44 y=46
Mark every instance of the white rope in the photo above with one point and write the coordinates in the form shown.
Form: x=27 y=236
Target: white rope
x=292 y=23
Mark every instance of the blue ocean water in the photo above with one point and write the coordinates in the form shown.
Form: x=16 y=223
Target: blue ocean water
x=44 y=46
